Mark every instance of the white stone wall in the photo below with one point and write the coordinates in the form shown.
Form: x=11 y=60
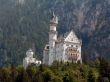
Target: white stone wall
x=80 y=57
x=45 y=57
x=60 y=52
x=51 y=51
x=74 y=45
x=29 y=59
x=52 y=39
x=52 y=55
x=53 y=28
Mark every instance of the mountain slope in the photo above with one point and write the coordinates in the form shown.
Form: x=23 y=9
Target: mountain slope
x=25 y=24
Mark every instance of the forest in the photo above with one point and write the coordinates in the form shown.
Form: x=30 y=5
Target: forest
x=98 y=71
x=24 y=24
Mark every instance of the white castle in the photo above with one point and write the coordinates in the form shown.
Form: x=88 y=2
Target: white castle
x=29 y=59
x=66 y=48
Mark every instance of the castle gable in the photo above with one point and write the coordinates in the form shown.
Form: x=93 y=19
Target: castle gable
x=71 y=37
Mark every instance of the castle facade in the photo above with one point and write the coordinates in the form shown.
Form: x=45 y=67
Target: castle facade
x=66 y=48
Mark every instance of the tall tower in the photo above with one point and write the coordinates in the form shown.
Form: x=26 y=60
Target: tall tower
x=52 y=37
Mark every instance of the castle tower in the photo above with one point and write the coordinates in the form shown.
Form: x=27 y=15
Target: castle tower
x=29 y=59
x=52 y=37
x=29 y=53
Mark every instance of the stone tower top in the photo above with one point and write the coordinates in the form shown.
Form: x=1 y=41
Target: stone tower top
x=54 y=19
x=29 y=53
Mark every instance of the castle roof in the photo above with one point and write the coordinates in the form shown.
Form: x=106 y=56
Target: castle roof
x=69 y=35
x=54 y=19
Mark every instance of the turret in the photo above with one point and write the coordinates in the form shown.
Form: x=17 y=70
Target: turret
x=53 y=22
x=53 y=25
x=29 y=59
x=29 y=53
x=52 y=37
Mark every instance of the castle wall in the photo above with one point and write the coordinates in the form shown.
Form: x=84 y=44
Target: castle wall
x=45 y=57
x=72 y=46
x=60 y=52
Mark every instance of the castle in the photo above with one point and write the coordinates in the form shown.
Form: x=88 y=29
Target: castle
x=66 y=48
x=29 y=59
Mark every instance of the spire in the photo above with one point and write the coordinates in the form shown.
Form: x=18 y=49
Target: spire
x=53 y=15
x=54 y=19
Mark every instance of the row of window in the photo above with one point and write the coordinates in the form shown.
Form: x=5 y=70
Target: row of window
x=71 y=49
x=71 y=45
x=73 y=56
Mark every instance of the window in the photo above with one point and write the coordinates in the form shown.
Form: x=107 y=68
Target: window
x=71 y=45
x=76 y=46
x=47 y=47
x=67 y=45
x=72 y=39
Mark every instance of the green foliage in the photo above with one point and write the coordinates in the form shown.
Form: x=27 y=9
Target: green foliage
x=62 y=73
x=105 y=79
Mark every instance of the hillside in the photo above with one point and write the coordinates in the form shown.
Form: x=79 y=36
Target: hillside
x=25 y=24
